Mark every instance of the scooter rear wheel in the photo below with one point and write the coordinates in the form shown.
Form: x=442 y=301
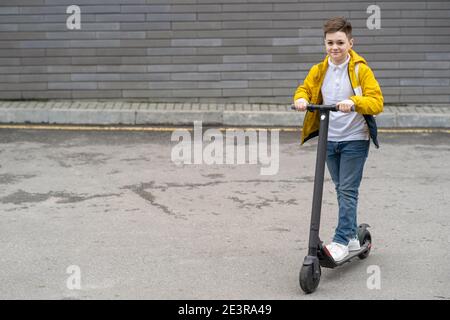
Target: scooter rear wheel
x=307 y=281
x=366 y=238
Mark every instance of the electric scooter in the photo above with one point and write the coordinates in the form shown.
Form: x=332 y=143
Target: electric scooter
x=318 y=254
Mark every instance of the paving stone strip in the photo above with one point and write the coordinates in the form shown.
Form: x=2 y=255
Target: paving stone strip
x=172 y=113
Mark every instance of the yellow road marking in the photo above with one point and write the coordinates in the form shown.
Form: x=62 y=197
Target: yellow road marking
x=162 y=129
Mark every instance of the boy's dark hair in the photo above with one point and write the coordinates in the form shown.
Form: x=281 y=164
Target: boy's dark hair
x=337 y=24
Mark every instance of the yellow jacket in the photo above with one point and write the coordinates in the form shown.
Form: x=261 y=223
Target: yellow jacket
x=367 y=96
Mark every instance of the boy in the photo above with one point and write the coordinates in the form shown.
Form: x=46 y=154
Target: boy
x=344 y=79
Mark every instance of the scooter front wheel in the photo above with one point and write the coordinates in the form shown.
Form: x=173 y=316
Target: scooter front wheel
x=309 y=282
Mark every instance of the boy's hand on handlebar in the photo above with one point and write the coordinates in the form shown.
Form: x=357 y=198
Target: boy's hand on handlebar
x=300 y=104
x=346 y=106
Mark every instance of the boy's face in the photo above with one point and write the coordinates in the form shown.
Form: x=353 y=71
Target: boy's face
x=338 y=45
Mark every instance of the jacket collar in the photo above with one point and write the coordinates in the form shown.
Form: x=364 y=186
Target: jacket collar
x=341 y=66
x=354 y=58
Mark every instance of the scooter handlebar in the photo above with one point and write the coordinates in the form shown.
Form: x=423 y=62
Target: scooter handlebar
x=323 y=107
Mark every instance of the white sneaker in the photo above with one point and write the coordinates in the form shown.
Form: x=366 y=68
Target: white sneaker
x=353 y=244
x=338 y=251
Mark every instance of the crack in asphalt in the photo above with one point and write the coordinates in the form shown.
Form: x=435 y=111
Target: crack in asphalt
x=12 y=178
x=266 y=202
x=81 y=158
x=22 y=196
x=141 y=190
x=215 y=183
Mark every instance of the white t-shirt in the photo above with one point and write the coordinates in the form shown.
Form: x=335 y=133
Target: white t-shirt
x=335 y=88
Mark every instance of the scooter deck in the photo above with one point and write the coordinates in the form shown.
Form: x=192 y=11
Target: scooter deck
x=327 y=261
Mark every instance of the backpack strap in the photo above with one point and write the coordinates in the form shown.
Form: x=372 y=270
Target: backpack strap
x=357 y=90
x=356 y=72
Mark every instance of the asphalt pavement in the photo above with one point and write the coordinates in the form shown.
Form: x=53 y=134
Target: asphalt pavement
x=122 y=215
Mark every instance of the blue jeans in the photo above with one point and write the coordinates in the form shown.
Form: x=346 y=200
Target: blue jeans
x=345 y=161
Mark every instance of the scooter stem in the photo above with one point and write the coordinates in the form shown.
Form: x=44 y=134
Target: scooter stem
x=318 y=182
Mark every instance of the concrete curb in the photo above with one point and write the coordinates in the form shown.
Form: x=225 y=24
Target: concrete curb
x=144 y=113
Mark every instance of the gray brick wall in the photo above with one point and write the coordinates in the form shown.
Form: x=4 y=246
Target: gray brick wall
x=254 y=51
